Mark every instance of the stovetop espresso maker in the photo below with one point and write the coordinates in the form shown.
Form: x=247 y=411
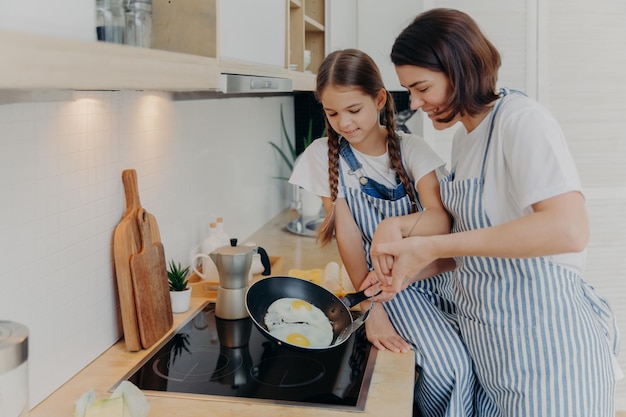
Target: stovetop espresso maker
x=233 y=265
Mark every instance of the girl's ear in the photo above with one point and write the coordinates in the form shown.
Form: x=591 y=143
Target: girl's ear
x=381 y=98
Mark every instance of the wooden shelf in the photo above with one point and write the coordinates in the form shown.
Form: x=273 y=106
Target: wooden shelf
x=311 y=25
x=306 y=31
x=35 y=62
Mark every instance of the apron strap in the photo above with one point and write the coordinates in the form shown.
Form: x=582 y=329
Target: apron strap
x=503 y=93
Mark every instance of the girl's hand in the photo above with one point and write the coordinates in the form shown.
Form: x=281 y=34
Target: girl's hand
x=380 y=331
x=372 y=289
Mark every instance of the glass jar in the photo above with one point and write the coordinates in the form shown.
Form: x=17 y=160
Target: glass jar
x=110 y=21
x=139 y=23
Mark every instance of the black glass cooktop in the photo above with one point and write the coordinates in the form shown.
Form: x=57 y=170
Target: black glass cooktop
x=213 y=358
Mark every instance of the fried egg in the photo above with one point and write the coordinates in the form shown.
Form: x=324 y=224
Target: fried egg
x=299 y=323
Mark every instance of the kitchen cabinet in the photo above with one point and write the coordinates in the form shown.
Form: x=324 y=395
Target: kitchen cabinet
x=377 y=28
x=73 y=19
x=185 y=56
x=231 y=30
x=252 y=30
x=341 y=25
x=307 y=32
x=372 y=27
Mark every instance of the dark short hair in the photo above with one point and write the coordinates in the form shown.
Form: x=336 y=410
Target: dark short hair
x=450 y=41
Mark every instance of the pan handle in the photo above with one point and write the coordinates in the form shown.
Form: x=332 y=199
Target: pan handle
x=352 y=299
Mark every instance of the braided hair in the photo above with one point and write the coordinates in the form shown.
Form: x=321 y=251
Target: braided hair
x=354 y=68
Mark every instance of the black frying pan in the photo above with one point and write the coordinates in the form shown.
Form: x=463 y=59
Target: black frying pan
x=264 y=292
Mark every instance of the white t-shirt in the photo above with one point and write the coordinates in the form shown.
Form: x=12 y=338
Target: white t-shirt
x=311 y=168
x=528 y=161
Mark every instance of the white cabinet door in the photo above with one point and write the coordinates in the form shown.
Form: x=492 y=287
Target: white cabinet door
x=379 y=22
x=252 y=30
x=341 y=25
x=74 y=19
x=371 y=26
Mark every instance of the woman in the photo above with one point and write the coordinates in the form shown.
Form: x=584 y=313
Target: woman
x=538 y=335
x=365 y=172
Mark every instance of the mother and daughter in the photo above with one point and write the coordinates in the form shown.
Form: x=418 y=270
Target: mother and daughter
x=480 y=267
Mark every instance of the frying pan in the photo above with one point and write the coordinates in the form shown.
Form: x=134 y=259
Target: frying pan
x=262 y=293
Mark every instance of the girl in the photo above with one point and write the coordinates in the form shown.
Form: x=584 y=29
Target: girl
x=365 y=172
x=538 y=334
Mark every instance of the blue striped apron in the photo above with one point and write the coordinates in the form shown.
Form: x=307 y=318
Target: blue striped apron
x=446 y=384
x=539 y=336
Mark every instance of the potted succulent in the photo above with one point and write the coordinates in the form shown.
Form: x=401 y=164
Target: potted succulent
x=180 y=291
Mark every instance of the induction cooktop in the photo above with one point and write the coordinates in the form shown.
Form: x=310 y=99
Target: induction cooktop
x=230 y=360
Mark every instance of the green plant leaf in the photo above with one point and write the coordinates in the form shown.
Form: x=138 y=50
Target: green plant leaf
x=177 y=276
x=283 y=155
x=309 y=137
x=292 y=147
x=290 y=156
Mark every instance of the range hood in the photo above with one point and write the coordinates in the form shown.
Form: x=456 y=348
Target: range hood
x=254 y=84
x=237 y=85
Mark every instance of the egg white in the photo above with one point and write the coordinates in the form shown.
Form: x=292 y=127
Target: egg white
x=291 y=316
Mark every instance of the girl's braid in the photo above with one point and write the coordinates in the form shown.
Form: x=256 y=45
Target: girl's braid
x=327 y=228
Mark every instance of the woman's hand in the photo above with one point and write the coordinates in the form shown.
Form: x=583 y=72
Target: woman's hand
x=410 y=257
x=389 y=230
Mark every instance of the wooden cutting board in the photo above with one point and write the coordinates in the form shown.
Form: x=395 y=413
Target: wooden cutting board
x=152 y=294
x=126 y=242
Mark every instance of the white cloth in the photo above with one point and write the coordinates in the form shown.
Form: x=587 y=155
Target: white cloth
x=311 y=169
x=528 y=161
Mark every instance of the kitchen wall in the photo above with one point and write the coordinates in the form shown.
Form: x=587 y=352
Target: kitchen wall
x=61 y=164
x=60 y=177
x=582 y=67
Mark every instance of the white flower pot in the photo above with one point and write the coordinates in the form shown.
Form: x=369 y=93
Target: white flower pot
x=180 y=300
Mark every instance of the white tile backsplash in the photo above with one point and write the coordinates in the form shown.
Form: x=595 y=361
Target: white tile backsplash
x=60 y=177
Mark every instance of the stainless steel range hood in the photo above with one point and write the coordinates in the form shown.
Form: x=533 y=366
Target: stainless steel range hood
x=254 y=84
x=237 y=85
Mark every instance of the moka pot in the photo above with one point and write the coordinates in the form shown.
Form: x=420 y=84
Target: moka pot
x=233 y=266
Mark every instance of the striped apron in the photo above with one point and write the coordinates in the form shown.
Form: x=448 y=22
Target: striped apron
x=446 y=384
x=539 y=336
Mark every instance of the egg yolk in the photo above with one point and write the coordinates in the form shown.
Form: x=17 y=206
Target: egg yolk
x=297 y=304
x=298 y=339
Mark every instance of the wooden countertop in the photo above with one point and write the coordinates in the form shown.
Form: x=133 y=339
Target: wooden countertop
x=390 y=392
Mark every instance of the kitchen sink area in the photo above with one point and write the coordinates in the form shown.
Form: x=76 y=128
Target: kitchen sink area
x=304 y=220
x=305 y=226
